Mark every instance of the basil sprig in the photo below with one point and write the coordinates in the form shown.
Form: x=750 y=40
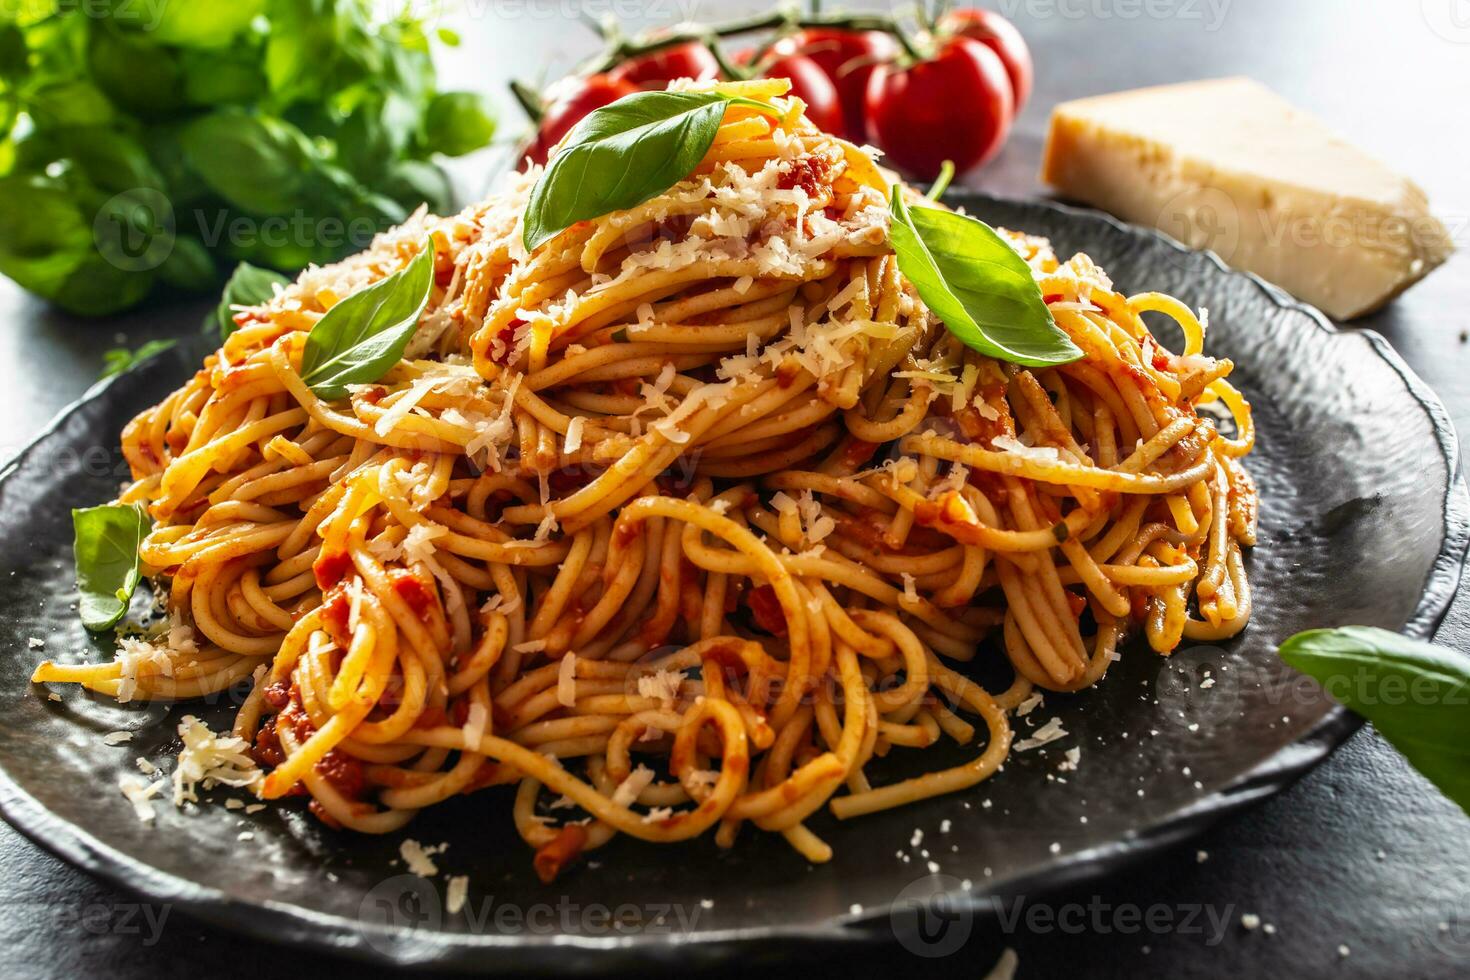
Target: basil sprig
x=249 y=285
x=359 y=339
x=1416 y=694
x=969 y=277
x=106 y=552
x=623 y=154
x=120 y=359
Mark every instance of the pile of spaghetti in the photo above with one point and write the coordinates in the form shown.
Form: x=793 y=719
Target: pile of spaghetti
x=677 y=522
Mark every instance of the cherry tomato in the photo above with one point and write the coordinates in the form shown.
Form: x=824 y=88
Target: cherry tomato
x=1000 y=36
x=956 y=106
x=578 y=97
x=809 y=83
x=688 y=60
x=848 y=58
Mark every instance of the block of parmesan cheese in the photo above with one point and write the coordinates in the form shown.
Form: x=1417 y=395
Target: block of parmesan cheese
x=1230 y=166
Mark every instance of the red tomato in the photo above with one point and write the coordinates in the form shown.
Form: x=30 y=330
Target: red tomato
x=848 y=58
x=956 y=106
x=810 y=84
x=688 y=60
x=1000 y=36
x=579 y=97
x=766 y=610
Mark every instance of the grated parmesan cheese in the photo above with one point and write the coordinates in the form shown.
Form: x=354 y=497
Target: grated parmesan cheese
x=1049 y=732
x=629 y=789
x=704 y=777
x=1010 y=444
x=153 y=654
x=208 y=760
x=477 y=722
x=456 y=893
x=662 y=685
x=418 y=858
x=140 y=794
x=418 y=545
x=566 y=680
x=574 y=435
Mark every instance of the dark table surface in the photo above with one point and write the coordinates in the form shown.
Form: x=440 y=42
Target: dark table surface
x=1360 y=870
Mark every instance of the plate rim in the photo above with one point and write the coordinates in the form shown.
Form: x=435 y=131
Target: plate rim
x=286 y=924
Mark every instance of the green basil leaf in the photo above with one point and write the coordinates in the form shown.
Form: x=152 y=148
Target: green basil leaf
x=44 y=236
x=306 y=45
x=71 y=103
x=457 y=123
x=249 y=285
x=106 y=549
x=621 y=155
x=120 y=359
x=221 y=75
x=112 y=160
x=98 y=287
x=969 y=277
x=202 y=25
x=189 y=267
x=415 y=182
x=139 y=76
x=255 y=162
x=364 y=335
x=1416 y=694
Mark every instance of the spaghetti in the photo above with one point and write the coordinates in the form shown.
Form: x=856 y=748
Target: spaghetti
x=678 y=521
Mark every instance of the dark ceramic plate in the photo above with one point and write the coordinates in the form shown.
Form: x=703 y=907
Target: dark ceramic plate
x=1364 y=520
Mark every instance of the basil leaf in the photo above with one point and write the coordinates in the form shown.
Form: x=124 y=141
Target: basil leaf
x=189 y=267
x=44 y=236
x=257 y=163
x=249 y=285
x=1416 y=694
x=120 y=359
x=202 y=25
x=969 y=277
x=621 y=155
x=364 y=335
x=457 y=123
x=106 y=549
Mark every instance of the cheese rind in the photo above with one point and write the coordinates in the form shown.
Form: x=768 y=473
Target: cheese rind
x=1228 y=165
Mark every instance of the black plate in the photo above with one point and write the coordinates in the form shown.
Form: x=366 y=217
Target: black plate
x=1364 y=520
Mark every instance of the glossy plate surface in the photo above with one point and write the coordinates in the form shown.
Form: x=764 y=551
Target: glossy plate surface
x=1364 y=520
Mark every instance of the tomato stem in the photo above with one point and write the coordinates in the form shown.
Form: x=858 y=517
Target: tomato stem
x=941 y=183
x=783 y=22
x=730 y=70
x=606 y=29
x=529 y=100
